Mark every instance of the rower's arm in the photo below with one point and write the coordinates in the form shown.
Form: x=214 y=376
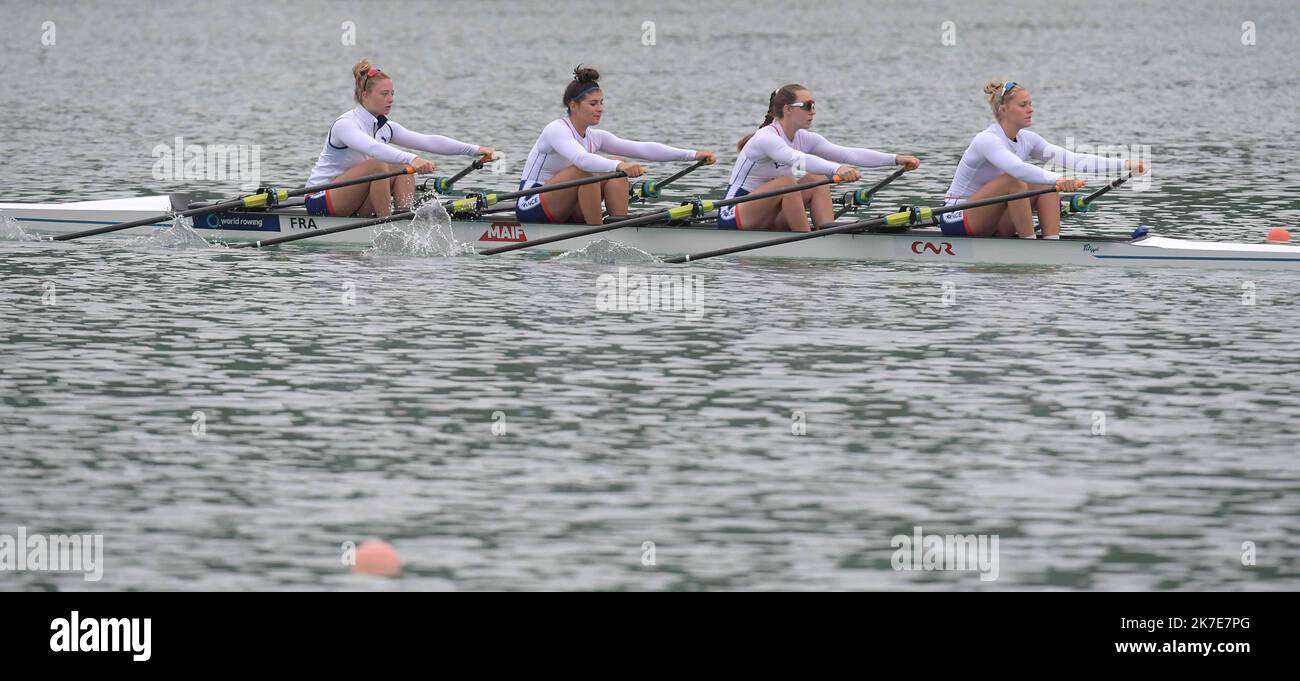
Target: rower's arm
x=649 y=151
x=864 y=158
x=353 y=138
x=1001 y=157
x=766 y=145
x=434 y=144
x=559 y=138
x=1084 y=163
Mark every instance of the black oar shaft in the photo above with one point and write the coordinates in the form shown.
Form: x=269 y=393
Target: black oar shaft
x=679 y=174
x=656 y=217
x=468 y=169
x=401 y=214
x=855 y=226
x=870 y=191
x=322 y=232
x=1099 y=192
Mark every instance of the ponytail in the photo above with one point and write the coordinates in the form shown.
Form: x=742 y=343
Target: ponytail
x=776 y=104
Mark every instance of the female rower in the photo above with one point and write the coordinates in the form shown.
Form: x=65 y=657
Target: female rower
x=360 y=142
x=995 y=165
x=566 y=150
x=768 y=158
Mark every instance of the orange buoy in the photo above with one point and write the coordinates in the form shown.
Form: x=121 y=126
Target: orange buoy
x=377 y=558
x=1278 y=234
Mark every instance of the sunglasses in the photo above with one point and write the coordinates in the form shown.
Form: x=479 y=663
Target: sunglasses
x=1010 y=85
x=806 y=106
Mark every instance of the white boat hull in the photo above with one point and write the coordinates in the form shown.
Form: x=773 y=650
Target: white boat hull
x=913 y=246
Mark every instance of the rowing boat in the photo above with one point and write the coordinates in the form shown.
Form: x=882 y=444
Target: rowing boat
x=915 y=245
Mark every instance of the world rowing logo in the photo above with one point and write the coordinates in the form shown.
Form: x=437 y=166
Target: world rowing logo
x=923 y=247
x=727 y=213
x=504 y=231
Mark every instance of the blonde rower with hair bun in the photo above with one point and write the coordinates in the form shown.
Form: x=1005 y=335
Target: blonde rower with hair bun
x=360 y=143
x=996 y=164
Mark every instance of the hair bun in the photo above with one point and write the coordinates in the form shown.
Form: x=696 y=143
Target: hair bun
x=585 y=75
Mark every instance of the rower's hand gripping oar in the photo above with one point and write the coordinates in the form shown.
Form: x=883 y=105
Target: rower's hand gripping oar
x=262 y=199
x=650 y=189
x=913 y=216
x=694 y=208
x=861 y=198
x=472 y=201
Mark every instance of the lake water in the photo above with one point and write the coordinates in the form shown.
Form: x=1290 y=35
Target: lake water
x=228 y=419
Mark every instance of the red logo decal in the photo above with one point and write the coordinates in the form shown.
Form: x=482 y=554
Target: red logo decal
x=919 y=247
x=504 y=231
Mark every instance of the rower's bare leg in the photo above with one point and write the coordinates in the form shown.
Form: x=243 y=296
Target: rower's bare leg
x=1048 y=207
x=589 y=204
x=765 y=213
x=355 y=199
x=380 y=203
x=403 y=188
x=818 y=200
x=793 y=217
x=988 y=220
x=562 y=203
x=615 y=193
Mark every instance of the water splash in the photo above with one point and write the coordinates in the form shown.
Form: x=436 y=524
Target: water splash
x=427 y=235
x=606 y=252
x=10 y=230
x=179 y=235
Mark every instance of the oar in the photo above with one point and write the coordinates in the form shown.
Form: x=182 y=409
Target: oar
x=399 y=215
x=862 y=197
x=650 y=189
x=406 y=213
x=442 y=185
x=255 y=201
x=476 y=204
x=1080 y=204
x=677 y=213
x=920 y=213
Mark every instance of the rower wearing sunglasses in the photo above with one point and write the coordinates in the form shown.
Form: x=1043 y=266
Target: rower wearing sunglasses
x=769 y=156
x=360 y=142
x=995 y=164
x=566 y=150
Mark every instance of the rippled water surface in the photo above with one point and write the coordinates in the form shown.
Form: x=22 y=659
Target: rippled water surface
x=226 y=419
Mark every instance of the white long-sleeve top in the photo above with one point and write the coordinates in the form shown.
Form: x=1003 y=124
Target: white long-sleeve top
x=359 y=135
x=770 y=154
x=560 y=146
x=992 y=153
